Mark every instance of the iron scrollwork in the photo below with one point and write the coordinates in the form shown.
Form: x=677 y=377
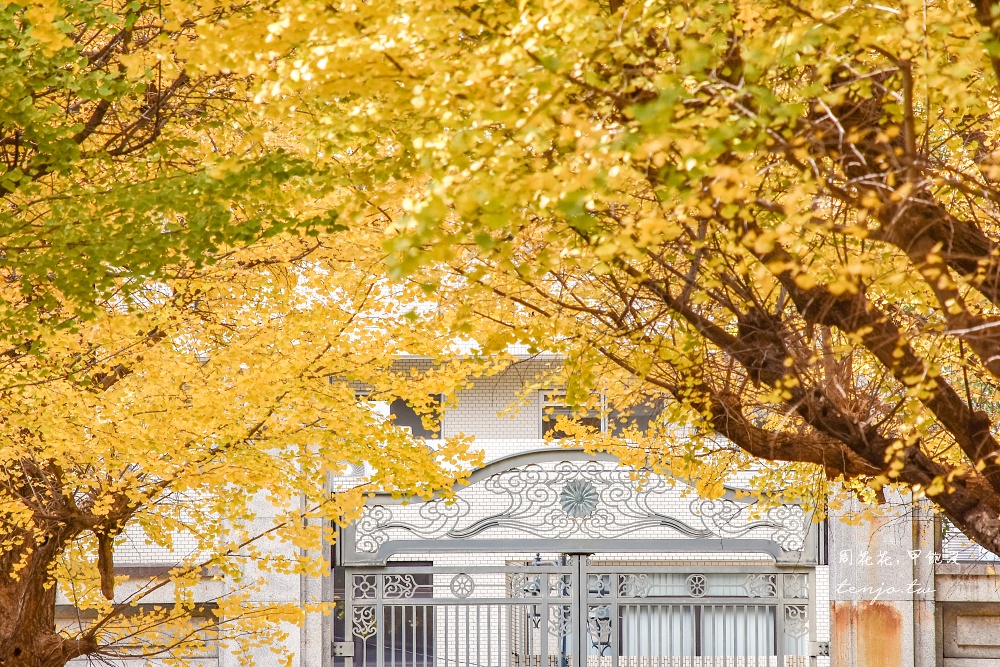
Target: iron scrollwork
x=370 y=528
x=576 y=499
x=363 y=623
x=599 y=585
x=785 y=524
x=634 y=586
x=796 y=620
x=761 y=585
x=569 y=499
x=599 y=628
x=560 y=585
x=522 y=585
x=560 y=619
x=399 y=586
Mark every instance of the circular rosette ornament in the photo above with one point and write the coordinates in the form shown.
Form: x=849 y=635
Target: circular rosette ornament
x=462 y=585
x=579 y=498
x=697 y=585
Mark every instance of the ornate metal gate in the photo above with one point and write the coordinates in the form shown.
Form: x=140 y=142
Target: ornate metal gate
x=455 y=584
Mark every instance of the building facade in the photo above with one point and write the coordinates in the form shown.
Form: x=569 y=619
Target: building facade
x=553 y=557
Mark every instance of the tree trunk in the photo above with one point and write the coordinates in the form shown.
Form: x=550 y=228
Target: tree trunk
x=28 y=636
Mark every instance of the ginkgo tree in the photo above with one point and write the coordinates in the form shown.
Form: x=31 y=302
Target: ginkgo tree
x=216 y=399
x=781 y=215
x=120 y=159
x=179 y=332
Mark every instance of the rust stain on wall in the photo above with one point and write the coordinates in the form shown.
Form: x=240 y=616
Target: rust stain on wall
x=841 y=644
x=880 y=635
x=867 y=635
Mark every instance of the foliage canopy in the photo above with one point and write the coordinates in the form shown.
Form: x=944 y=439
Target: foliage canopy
x=782 y=215
x=208 y=428
x=172 y=310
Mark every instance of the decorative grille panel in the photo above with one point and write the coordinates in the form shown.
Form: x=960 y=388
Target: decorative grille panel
x=569 y=611
x=597 y=503
x=482 y=610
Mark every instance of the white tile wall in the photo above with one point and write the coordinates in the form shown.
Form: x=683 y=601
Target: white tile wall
x=822 y=606
x=491 y=410
x=505 y=423
x=138 y=550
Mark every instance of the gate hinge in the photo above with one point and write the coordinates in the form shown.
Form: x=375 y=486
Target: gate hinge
x=819 y=649
x=343 y=649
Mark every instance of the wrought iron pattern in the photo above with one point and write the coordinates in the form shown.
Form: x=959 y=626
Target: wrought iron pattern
x=599 y=585
x=399 y=586
x=369 y=528
x=560 y=586
x=761 y=585
x=462 y=585
x=364 y=585
x=599 y=628
x=536 y=614
x=697 y=585
x=796 y=620
x=634 y=586
x=795 y=585
x=574 y=499
x=560 y=620
x=785 y=524
x=521 y=585
x=556 y=612
x=363 y=621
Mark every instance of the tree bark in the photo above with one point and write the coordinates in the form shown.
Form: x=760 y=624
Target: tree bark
x=28 y=636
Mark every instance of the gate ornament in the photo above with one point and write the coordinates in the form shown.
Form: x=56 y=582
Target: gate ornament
x=364 y=586
x=579 y=498
x=599 y=585
x=363 y=623
x=560 y=620
x=697 y=585
x=547 y=498
x=517 y=585
x=541 y=610
x=581 y=512
x=796 y=620
x=599 y=628
x=788 y=524
x=399 y=586
x=462 y=585
x=795 y=585
x=634 y=586
x=760 y=585
x=521 y=585
x=560 y=587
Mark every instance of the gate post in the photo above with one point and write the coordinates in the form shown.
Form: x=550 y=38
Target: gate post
x=580 y=610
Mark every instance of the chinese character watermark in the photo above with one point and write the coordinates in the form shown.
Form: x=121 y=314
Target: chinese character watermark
x=883 y=560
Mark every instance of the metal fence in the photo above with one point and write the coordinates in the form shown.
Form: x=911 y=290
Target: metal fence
x=568 y=611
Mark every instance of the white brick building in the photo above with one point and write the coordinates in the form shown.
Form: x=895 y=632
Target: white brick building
x=552 y=557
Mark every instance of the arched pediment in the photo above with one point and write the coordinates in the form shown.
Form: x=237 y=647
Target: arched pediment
x=569 y=501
